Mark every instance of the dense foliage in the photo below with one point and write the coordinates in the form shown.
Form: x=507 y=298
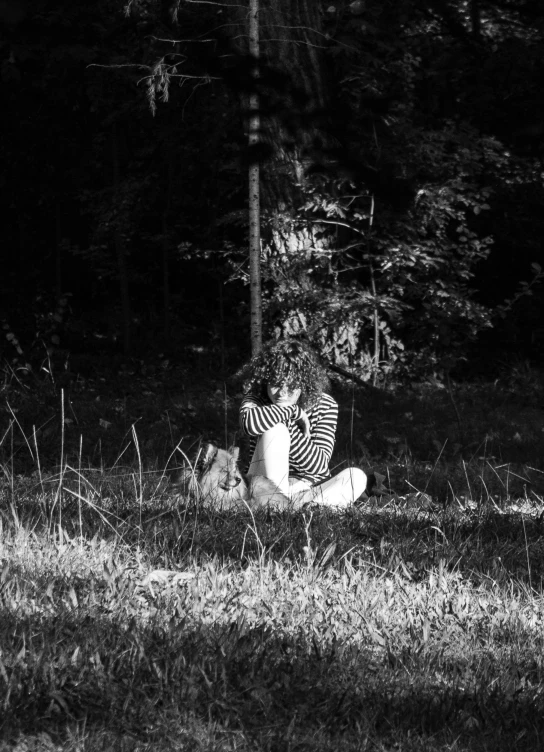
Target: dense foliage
x=402 y=161
x=402 y=226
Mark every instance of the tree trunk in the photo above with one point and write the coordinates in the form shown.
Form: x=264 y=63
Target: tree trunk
x=58 y=251
x=475 y=19
x=166 y=253
x=120 y=251
x=222 y=327
x=254 y=187
x=293 y=47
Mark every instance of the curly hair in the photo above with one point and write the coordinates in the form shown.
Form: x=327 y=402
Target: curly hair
x=288 y=362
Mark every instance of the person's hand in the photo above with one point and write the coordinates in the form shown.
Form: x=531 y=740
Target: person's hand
x=304 y=423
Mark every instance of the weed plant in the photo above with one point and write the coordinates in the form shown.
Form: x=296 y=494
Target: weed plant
x=134 y=619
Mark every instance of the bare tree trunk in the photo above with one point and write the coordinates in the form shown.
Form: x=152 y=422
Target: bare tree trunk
x=166 y=255
x=475 y=18
x=376 y=357
x=292 y=47
x=58 y=251
x=120 y=250
x=222 y=327
x=254 y=187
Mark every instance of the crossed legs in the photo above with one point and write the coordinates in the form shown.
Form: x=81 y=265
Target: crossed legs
x=271 y=459
x=339 y=491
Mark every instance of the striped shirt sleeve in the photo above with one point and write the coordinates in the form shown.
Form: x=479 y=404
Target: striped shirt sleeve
x=310 y=455
x=256 y=416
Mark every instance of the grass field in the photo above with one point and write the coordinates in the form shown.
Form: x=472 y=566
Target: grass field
x=133 y=620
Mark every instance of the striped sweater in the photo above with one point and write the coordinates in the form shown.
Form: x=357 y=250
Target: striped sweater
x=309 y=456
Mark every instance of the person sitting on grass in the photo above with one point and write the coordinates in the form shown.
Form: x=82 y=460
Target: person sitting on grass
x=291 y=422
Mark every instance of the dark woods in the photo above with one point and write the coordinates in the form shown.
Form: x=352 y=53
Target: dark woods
x=401 y=153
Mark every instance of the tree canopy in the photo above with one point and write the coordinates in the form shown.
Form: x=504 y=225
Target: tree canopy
x=401 y=159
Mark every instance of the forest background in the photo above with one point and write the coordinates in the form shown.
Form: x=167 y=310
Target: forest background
x=402 y=225
x=402 y=178
x=402 y=185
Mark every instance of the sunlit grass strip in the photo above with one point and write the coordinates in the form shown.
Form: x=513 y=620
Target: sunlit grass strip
x=85 y=633
x=314 y=628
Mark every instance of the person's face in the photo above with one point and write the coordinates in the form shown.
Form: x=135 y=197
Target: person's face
x=281 y=394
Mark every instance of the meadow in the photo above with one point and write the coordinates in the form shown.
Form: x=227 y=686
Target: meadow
x=134 y=619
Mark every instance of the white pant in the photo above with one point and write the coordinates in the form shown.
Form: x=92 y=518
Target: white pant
x=271 y=459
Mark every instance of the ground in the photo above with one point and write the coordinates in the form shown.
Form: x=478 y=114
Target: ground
x=133 y=619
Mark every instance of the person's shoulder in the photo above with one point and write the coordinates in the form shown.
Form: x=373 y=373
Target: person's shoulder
x=253 y=399
x=327 y=401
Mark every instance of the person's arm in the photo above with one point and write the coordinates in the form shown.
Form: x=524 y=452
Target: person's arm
x=256 y=416
x=313 y=453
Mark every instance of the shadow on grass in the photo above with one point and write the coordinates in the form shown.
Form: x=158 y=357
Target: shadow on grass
x=135 y=676
x=132 y=680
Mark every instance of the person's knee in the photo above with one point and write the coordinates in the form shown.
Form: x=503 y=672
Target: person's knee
x=357 y=479
x=272 y=441
x=279 y=432
x=279 y=428
x=271 y=456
